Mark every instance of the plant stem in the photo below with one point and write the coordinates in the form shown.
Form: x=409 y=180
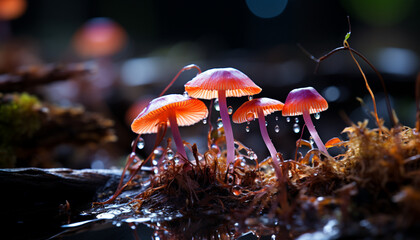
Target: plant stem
x=313 y=132
x=230 y=148
x=269 y=143
x=346 y=44
x=177 y=137
x=177 y=75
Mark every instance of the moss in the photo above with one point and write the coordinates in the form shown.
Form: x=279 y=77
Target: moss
x=20 y=118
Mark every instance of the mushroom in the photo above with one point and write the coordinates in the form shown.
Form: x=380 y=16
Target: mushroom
x=175 y=109
x=221 y=83
x=259 y=108
x=306 y=101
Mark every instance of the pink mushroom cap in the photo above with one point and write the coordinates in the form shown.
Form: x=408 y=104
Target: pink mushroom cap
x=302 y=99
x=267 y=105
x=235 y=83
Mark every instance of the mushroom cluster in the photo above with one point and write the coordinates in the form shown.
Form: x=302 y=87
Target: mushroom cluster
x=219 y=83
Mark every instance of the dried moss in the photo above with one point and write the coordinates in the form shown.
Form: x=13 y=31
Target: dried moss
x=376 y=178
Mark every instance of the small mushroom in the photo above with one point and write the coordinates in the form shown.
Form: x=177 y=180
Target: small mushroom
x=175 y=109
x=259 y=108
x=306 y=101
x=221 y=83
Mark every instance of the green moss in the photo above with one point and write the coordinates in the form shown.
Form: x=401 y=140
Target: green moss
x=20 y=118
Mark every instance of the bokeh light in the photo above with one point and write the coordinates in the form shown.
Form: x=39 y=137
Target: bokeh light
x=99 y=37
x=398 y=61
x=332 y=93
x=266 y=8
x=379 y=12
x=11 y=9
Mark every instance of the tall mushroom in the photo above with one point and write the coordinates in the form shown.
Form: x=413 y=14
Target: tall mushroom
x=259 y=108
x=221 y=83
x=175 y=109
x=306 y=101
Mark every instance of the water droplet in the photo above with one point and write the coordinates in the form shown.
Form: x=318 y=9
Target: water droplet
x=236 y=190
x=317 y=115
x=105 y=216
x=250 y=97
x=230 y=110
x=155 y=162
x=158 y=151
x=155 y=170
x=296 y=128
x=266 y=124
x=176 y=159
x=273 y=237
x=277 y=118
x=216 y=104
x=252 y=155
x=296 y=120
x=205 y=121
x=247 y=129
x=219 y=123
x=170 y=154
x=140 y=143
x=277 y=128
x=185 y=94
x=133 y=227
x=288 y=119
x=250 y=116
x=311 y=140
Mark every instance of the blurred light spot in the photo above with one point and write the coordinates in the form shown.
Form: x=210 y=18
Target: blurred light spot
x=140 y=71
x=266 y=8
x=99 y=37
x=332 y=93
x=398 y=61
x=97 y=164
x=100 y=159
x=62 y=92
x=379 y=12
x=11 y=9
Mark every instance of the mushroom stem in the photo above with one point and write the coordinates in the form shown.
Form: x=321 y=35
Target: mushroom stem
x=269 y=143
x=230 y=148
x=177 y=137
x=313 y=132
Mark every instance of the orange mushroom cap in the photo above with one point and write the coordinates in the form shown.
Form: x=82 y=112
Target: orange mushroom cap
x=187 y=112
x=206 y=84
x=301 y=99
x=268 y=106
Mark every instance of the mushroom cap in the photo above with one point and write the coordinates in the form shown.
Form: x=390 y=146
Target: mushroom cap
x=206 y=84
x=187 y=112
x=268 y=106
x=301 y=99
